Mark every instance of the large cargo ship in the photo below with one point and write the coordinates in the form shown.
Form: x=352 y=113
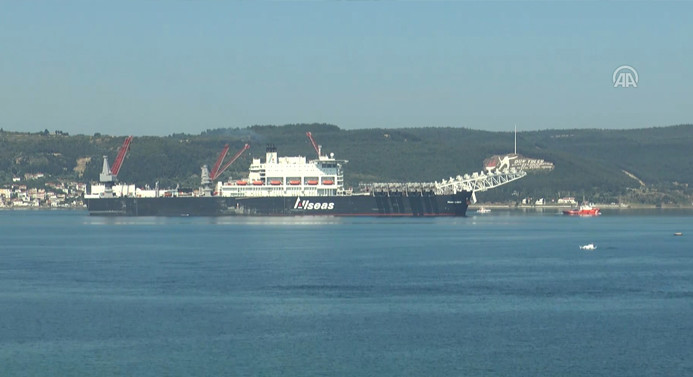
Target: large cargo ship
x=394 y=204
x=293 y=186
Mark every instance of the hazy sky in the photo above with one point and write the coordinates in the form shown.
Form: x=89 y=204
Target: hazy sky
x=162 y=67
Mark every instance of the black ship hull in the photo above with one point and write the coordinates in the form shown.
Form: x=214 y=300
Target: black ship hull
x=161 y=206
x=390 y=205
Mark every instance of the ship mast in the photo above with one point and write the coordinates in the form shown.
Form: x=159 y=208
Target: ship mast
x=516 y=139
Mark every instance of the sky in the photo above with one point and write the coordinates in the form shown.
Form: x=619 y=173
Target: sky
x=158 y=68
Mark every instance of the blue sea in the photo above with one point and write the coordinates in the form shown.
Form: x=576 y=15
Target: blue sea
x=504 y=294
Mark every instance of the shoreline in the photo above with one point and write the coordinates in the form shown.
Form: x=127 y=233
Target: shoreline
x=472 y=207
x=624 y=207
x=43 y=208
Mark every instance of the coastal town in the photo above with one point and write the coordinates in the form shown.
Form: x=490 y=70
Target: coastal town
x=24 y=193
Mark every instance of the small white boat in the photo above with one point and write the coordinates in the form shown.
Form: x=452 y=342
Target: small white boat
x=589 y=246
x=483 y=210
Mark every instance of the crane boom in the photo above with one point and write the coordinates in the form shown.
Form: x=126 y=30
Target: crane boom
x=121 y=156
x=216 y=171
x=312 y=141
x=217 y=164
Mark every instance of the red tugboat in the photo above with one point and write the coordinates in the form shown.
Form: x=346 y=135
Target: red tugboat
x=584 y=210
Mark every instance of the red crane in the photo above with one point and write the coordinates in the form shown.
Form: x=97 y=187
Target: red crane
x=312 y=141
x=216 y=171
x=121 y=156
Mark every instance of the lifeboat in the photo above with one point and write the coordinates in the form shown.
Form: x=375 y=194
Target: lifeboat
x=241 y=183
x=257 y=183
x=294 y=182
x=275 y=182
x=328 y=182
x=312 y=182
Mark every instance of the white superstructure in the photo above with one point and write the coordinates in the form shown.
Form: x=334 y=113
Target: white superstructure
x=121 y=190
x=288 y=176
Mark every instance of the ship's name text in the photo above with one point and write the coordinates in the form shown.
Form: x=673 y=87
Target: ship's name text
x=307 y=204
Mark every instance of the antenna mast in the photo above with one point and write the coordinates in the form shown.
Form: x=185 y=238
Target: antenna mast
x=516 y=139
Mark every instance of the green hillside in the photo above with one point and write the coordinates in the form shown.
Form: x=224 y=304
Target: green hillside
x=591 y=163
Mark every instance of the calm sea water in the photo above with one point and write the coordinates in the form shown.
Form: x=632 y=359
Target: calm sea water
x=504 y=294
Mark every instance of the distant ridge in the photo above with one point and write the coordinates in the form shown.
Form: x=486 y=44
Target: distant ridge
x=599 y=164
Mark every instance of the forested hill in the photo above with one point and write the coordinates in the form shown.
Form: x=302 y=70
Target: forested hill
x=600 y=164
